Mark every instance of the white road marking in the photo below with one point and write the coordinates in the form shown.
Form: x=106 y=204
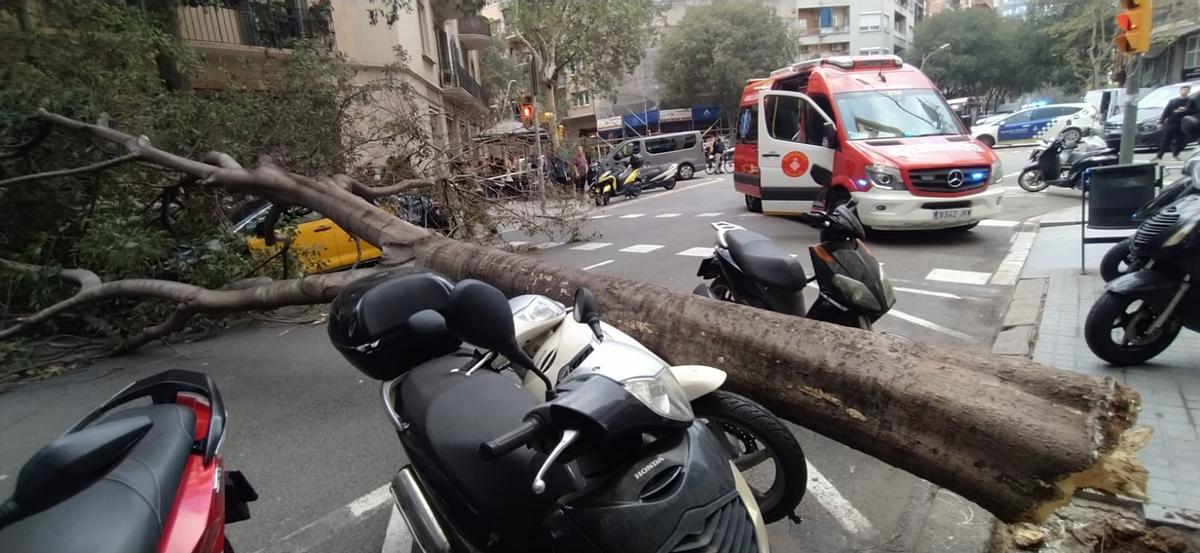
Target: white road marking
x=1010 y=268
x=548 y=245
x=697 y=252
x=632 y=216
x=833 y=502
x=1011 y=175
x=600 y=264
x=960 y=277
x=667 y=215
x=641 y=248
x=517 y=243
x=998 y=223
x=708 y=214
x=926 y=292
x=370 y=501
x=930 y=325
x=592 y=246
x=3 y=476
x=600 y=216
x=745 y=215
x=398 y=538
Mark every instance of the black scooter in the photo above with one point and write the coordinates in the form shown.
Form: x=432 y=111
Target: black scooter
x=1050 y=167
x=1141 y=313
x=748 y=268
x=1120 y=259
x=611 y=460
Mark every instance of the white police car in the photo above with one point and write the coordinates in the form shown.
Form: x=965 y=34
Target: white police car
x=1028 y=126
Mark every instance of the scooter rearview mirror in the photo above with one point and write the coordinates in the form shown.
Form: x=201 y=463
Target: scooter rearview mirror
x=821 y=175
x=585 y=311
x=479 y=314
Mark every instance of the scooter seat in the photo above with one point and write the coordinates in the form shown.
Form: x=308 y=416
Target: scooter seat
x=123 y=512
x=762 y=259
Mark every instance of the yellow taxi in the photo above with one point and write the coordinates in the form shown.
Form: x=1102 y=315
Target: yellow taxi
x=316 y=241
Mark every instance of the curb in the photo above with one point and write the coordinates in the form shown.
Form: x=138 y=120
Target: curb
x=1018 y=329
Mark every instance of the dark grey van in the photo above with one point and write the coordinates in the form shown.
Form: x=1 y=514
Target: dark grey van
x=684 y=148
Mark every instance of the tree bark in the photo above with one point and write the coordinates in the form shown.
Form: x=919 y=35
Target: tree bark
x=1016 y=437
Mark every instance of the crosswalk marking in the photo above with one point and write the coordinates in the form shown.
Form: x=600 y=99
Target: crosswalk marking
x=697 y=252
x=601 y=216
x=960 y=277
x=592 y=246
x=641 y=248
x=600 y=264
x=548 y=245
x=517 y=243
x=708 y=214
x=998 y=223
x=632 y=216
x=666 y=215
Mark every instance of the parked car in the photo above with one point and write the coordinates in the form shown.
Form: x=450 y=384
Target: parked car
x=1028 y=126
x=684 y=148
x=1149 y=114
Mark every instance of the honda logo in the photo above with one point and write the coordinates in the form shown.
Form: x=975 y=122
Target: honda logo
x=955 y=178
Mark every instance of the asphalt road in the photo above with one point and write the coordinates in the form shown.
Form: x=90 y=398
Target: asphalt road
x=310 y=433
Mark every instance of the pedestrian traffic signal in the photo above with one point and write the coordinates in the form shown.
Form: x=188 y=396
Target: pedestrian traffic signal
x=1133 y=26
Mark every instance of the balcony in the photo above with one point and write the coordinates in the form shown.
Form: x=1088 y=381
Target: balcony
x=255 y=25
x=459 y=85
x=474 y=32
x=818 y=35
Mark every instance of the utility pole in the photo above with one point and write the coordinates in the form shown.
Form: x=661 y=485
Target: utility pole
x=1133 y=38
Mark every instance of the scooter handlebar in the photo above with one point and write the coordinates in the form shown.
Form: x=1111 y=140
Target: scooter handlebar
x=522 y=435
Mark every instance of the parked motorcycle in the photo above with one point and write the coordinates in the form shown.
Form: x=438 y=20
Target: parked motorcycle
x=1142 y=312
x=625 y=182
x=1119 y=259
x=1054 y=164
x=760 y=444
x=748 y=268
x=659 y=176
x=612 y=459
x=141 y=479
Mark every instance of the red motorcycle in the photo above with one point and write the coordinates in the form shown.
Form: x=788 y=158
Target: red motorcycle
x=145 y=479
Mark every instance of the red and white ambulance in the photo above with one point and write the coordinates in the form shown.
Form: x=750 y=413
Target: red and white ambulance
x=885 y=131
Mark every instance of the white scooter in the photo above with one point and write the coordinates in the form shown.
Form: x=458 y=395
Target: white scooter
x=751 y=433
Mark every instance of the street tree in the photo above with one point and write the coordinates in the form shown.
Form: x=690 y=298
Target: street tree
x=1079 y=41
x=1015 y=437
x=989 y=56
x=597 y=41
x=715 y=48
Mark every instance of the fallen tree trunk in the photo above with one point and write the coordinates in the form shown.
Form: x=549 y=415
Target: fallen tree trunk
x=1015 y=437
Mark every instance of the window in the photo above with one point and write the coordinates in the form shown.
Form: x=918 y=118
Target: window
x=1191 y=54
x=689 y=141
x=1019 y=117
x=871 y=51
x=794 y=120
x=421 y=19
x=895 y=113
x=870 y=21
x=628 y=149
x=580 y=99
x=747 y=129
x=661 y=145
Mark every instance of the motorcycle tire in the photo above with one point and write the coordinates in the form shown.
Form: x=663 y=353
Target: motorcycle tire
x=606 y=198
x=709 y=168
x=1030 y=180
x=669 y=184
x=596 y=198
x=728 y=166
x=758 y=437
x=1115 y=262
x=634 y=191
x=1111 y=312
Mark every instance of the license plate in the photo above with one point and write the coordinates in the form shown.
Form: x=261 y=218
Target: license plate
x=942 y=214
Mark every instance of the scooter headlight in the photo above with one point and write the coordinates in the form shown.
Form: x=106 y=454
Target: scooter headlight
x=538 y=309
x=662 y=394
x=1180 y=235
x=856 y=293
x=997 y=172
x=885 y=176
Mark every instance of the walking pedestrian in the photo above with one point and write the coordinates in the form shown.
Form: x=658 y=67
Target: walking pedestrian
x=580 y=162
x=718 y=153
x=1173 y=114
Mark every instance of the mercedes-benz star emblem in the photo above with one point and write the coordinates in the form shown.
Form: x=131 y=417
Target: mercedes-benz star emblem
x=955 y=178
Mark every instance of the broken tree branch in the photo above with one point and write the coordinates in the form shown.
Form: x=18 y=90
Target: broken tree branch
x=93 y=168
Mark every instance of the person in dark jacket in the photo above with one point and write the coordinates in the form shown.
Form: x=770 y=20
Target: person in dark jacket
x=718 y=149
x=1173 y=114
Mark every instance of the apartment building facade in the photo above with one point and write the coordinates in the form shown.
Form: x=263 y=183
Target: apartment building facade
x=937 y=6
x=442 y=64
x=856 y=27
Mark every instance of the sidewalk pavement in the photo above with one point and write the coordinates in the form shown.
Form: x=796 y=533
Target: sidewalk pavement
x=1169 y=384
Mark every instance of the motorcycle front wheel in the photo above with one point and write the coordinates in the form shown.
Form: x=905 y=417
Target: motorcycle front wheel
x=1116 y=261
x=1031 y=181
x=761 y=447
x=1117 y=329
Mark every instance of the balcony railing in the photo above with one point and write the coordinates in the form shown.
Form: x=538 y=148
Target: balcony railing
x=813 y=31
x=456 y=77
x=263 y=24
x=474 y=31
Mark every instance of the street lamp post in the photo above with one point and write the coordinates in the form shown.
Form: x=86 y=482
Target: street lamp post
x=926 y=57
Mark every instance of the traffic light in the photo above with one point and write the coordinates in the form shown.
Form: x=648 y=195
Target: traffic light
x=527 y=110
x=1133 y=26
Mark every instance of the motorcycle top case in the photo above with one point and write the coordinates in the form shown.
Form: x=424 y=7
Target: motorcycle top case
x=390 y=322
